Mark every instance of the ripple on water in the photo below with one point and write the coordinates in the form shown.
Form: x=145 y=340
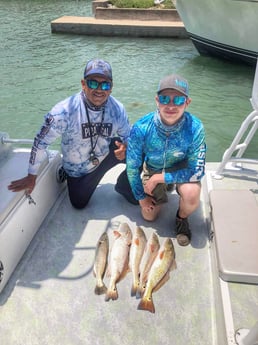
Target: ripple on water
x=39 y=69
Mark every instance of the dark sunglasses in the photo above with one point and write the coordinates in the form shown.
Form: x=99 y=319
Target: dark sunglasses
x=177 y=100
x=94 y=84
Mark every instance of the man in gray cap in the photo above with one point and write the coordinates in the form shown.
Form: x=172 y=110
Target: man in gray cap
x=172 y=142
x=94 y=129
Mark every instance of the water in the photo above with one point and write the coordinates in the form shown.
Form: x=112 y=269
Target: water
x=38 y=69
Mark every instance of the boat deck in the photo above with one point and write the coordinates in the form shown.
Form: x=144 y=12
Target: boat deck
x=50 y=298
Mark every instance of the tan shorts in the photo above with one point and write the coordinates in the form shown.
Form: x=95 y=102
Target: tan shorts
x=160 y=191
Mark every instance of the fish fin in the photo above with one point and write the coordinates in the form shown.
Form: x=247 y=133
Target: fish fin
x=136 y=241
x=126 y=269
x=123 y=274
x=100 y=290
x=152 y=248
x=111 y=294
x=134 y=290
x=140 y=291
x=144 y=278
x=116 y=233
x=146 y=304
x=173 y=266
x=161 y=282
x=161 y=254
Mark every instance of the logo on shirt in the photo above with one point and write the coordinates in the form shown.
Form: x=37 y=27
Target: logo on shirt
x=178 y=154
x=94 y=129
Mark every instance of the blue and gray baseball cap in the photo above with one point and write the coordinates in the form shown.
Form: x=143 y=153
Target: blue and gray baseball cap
x=175 y=82
x=98 y=66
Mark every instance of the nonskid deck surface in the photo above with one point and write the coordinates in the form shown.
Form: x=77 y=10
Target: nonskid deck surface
x=50 y=297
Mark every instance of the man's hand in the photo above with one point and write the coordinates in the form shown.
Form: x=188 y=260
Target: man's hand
x=26 y=183
x=120 y=152
x=152 y=183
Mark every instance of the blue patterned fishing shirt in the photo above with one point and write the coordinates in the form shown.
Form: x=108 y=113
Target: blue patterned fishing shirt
x=165 y=146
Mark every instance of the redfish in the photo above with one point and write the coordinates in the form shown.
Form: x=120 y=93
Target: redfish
x=136 y=252
x=159 y=274
x=119 y=259
x=100 y=263
x=150 y=252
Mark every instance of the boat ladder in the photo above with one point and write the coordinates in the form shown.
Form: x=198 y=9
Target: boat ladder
x=234 y=163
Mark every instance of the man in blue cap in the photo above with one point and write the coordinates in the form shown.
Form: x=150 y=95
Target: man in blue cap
x=93 y=127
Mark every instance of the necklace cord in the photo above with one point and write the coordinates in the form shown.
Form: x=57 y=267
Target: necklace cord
x=90 y=129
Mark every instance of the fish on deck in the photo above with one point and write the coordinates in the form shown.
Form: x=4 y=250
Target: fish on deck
x=119 y=259
x=100 y=263
x=150 y=252
x=159 y=274
x=136 y=252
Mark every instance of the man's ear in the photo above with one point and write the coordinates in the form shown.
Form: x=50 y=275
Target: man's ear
x=188 y=101
x=157 y=100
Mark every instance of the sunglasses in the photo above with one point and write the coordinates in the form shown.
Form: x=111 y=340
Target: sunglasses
x=177 y=100
x=94 y=84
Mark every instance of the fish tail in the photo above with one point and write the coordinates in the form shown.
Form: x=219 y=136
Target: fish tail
x=146 y=304
x=111 y=294
x=139 y=292
x=100 y=289
x=134 y=290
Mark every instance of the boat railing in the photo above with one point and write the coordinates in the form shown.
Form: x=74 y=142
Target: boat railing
x=4 y=139
x=233 y=160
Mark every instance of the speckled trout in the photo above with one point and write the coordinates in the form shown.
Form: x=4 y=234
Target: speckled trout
x=159 y=274
x=119 y=259
x=136 y=252
x=100 y=263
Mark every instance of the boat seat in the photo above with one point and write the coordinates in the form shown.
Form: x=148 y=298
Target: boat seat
x=13 y=167
x=235 y=220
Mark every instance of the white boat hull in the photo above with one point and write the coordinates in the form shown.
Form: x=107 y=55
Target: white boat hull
x=222 y=28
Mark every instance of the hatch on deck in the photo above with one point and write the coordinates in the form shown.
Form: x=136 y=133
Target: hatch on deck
x=235 y=220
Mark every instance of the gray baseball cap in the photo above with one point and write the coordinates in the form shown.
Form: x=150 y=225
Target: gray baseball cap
x=98 y=66
x=175 y=82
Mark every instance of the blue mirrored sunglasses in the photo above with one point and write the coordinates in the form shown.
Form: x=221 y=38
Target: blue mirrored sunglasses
x=177 y=100
x=94 y=84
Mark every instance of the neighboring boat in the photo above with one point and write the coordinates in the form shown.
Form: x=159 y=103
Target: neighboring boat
x=47 y=251
x=222 y=28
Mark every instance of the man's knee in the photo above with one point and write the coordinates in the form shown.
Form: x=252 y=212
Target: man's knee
x=78 y=204
x=150 y=215
x=189 y=190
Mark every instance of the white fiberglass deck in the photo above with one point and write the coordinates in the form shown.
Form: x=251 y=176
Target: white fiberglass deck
x=50 y=297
